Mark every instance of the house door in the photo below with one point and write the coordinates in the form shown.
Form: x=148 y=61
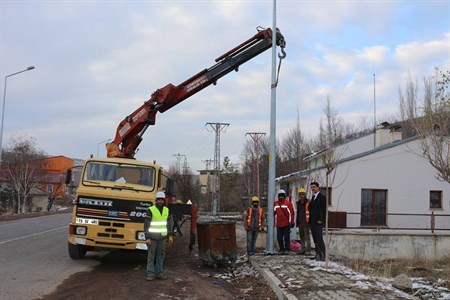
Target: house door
x=373 y=207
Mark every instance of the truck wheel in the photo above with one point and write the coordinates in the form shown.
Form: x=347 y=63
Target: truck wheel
x=76 y=251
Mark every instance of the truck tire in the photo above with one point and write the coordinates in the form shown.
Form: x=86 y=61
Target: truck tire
x=76 y=251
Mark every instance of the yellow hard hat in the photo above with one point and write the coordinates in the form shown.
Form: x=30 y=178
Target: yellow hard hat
x=302 y=190
x=255 y=199
x=179 y=201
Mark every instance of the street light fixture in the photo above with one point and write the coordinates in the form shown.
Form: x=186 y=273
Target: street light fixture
x=98 y=145
x=3 y=109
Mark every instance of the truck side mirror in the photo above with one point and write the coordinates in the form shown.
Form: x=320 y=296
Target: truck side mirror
x=69 y=176
x=170 y=186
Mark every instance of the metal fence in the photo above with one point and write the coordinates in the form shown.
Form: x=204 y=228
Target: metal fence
x=401 y=221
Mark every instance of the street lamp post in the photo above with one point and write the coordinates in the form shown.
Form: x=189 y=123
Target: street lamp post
x=3 y=109
x=98 y=145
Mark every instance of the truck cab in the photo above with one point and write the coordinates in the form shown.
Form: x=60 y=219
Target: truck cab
x=111 y=203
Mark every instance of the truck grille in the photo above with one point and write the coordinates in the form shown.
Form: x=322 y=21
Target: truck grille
x=112 y=235
x=105 y=223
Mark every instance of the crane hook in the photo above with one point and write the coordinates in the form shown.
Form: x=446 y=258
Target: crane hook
x=283 y=55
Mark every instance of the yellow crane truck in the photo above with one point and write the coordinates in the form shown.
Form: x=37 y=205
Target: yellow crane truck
x=114 y=193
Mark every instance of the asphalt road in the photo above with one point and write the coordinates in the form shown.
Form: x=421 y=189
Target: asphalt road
x=34 y=258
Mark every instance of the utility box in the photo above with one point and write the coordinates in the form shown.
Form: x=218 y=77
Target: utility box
x=217 y=243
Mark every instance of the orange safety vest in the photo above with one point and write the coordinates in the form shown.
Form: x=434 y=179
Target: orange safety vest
x=249 y=217
x=307 y=212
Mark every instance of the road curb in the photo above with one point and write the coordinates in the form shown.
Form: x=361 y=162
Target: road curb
x=273 y=281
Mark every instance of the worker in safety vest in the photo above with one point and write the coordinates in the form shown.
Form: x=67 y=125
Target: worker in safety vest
x=253 y=223
x=157 y=234
x=303 y=220
x=285 y=216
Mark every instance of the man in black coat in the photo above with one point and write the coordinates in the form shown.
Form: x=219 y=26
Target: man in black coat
x=317 y=218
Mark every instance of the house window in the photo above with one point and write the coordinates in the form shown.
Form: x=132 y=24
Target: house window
x=435 y=199
x=50 y=188
x=373 y=207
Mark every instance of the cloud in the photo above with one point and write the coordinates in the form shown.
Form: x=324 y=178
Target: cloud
x=96 y=62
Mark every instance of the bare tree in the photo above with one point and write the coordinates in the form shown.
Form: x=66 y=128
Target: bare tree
x=248 y=157
x=231 y=187
x=293 y=149
x=23 y=168
x=186 y=187
x=430 y=121
x=331 y=137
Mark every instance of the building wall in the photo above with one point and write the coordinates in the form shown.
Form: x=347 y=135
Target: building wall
x=204 y=180
x=57 y=167
x=59 y=164
x=358 y=145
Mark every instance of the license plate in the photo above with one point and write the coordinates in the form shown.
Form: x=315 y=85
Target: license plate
x=86 y=221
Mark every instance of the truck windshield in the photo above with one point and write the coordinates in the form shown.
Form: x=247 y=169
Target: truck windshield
x=119 y=173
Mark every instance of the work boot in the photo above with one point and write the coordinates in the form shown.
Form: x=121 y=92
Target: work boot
x=161 y=277
x=320 y=258
x=151 y=277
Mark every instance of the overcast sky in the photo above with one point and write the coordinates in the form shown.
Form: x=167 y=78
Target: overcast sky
x=97 y=61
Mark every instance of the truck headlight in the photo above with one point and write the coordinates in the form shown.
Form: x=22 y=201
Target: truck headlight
x=140 y=235
x=81 y=230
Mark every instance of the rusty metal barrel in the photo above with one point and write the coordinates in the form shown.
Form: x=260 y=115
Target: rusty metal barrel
x=217 y=243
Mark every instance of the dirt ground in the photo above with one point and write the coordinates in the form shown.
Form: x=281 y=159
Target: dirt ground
x=122 y=275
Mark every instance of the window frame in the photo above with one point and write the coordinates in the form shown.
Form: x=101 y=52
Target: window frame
x=373 y=213
x=439 y=194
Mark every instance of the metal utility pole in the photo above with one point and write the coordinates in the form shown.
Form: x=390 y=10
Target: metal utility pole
x=374 y=115
x=3 y=109
x=256 y=137
x=179 y=156
x=102 y=142
x=272 y=147
x=217 y=127
x=185 y=165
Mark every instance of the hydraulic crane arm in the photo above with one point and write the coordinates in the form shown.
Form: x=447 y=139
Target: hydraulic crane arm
x=130 y=131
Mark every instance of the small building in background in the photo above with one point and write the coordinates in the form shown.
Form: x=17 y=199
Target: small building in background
x=380 y=182
x=52 y=186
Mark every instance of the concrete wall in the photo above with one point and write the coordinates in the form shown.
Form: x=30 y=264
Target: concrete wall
x=380 y=245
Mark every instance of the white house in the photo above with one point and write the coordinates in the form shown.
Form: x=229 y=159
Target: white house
x=380 y=182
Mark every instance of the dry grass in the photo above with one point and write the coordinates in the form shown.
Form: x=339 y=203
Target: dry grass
x=429 y=269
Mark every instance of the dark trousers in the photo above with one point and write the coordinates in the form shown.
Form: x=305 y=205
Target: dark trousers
x=155 y=257
x=252 y=235
x=317 y=234
x=284 y=238
x=303 y=231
